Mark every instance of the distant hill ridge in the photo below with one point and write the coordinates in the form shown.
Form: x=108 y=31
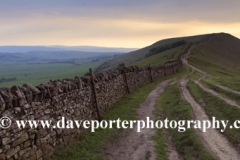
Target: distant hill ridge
x=139 y=54
x=25 y=49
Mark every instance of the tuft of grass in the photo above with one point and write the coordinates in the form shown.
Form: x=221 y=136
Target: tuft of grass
x=216 y=107
x=231 y=82
x=195 y=75
x=223 y=92
x=161 y=144
x=171 y=105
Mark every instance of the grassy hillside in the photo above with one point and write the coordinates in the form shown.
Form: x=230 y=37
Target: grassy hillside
x=161 y=58
x=220 y=56
x=132 y=57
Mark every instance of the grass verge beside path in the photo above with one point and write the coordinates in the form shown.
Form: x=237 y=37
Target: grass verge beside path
x=89 y=145
x=161 y=140
x=223 y=92
x=171 y=105
x=231 y=82
x=195 y=75
x=216 y=107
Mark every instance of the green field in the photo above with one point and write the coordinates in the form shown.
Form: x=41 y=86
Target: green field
x=38 y=73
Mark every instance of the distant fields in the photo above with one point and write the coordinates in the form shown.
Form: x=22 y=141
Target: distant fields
x=28 y=71
x=38 y=73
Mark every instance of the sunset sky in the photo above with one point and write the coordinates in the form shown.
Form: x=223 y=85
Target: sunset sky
x=110 y=23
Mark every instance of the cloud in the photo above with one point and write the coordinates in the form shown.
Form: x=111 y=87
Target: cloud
x=167 y=11
x=102 y=32
x=122 y=23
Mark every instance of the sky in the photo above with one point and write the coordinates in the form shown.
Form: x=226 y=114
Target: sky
x=113 y=23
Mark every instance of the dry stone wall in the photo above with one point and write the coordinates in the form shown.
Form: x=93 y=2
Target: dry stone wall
x=70 y=98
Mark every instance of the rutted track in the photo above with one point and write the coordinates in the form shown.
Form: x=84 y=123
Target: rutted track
x=212 y=139
x=138 y=145
x=204 y=74
x=229 y=101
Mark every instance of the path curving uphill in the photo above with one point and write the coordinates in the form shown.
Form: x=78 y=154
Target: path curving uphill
x=204 y=74
x=138 y=145
x=212 y=139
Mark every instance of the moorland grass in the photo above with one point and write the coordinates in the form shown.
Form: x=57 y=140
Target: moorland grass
x=216 y=107
x=195 y=75
x=223 y=92
x=231 y=82
x=171 y=105
x=219 y=57
x=161 y=58
x=138 y=55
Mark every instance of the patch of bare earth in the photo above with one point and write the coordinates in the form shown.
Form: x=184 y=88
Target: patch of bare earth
x=138 y=145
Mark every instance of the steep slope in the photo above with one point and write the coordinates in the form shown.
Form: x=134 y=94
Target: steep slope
x=137 y=55
x=221 y=52
x=161 y=58
x=220 y=56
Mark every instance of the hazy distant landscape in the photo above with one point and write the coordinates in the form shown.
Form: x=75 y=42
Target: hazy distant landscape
x=36 y=64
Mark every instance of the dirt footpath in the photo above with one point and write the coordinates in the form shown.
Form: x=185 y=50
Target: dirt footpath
x=138 y=145
x=204 y=74
x=216 y=143
x=133 y=145
x=212 y=140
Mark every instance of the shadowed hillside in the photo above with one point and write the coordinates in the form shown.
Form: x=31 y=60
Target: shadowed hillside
x=221 y=52
x=220 y=56
x=140 y=54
